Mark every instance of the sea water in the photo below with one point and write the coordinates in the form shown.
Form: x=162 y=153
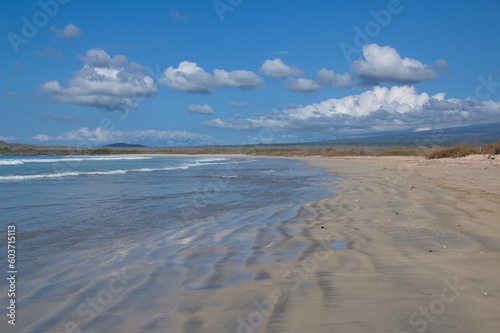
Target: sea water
x=79 y=219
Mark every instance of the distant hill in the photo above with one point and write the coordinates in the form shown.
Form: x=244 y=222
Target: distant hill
x=489 y=133
x=474 y=135
x=23 y=146
x=123 y=145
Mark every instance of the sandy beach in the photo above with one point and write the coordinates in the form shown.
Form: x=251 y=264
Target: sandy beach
x=422 y=249
x=403 y=244
x=406 y=245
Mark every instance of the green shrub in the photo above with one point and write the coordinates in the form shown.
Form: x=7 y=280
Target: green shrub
x=492 y=148
x=454 y=152
x=401 y=152
x=101 y=151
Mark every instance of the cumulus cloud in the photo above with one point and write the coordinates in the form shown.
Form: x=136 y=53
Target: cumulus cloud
x=71 y=119
x=303 y=85
x=177 y=15
x=278 y=69
x=235 y=104
x=49 y=52
x=99 y=136
x=200 y=109
x=68 y=32
x=329 y=78
x=190 y=78
x=380 y=109
x=104 y=82
x=384 y=64
x=43 y=138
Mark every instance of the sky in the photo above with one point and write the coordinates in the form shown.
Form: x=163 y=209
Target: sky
x=205 y=72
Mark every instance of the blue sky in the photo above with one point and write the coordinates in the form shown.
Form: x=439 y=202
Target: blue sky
x=89 y=73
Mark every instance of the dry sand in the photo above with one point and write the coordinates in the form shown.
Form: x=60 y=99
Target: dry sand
x=391 y=212
x=406 y=245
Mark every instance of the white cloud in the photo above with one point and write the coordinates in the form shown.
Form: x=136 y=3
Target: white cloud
x=329 y=78
x=104 y=82
x=380 y=109
x=177 y=15
x=191 y=78
x=99 y=136
x=421 y=129
x=42 y=138
x=384 y=64
x=252 y=139
x=303 y=85
x=11 y=93
x=71 y=119
x=278 y=69
x=68 y=32
x=235 y=104
x=7 y=138
x=200 y=109
x=49 y=52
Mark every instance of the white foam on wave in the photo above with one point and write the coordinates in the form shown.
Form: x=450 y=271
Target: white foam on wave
x=11 y=162
x=114 y=172
x=213 y=159
x=61 y=174
x=89 y=158
x=70 y=159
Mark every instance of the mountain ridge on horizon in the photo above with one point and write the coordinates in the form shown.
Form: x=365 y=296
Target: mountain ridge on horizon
x=483 y=133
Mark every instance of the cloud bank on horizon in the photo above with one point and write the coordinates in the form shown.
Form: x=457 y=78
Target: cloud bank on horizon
x=380 y=109
x=85 y=137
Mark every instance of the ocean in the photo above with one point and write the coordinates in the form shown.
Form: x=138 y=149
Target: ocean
x=167 y=221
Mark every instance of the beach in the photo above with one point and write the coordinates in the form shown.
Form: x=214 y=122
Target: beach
x=391 y=213
x=401 y=244
x=407 y=245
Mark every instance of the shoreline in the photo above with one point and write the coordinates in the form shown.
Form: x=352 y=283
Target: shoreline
x=403 y=244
